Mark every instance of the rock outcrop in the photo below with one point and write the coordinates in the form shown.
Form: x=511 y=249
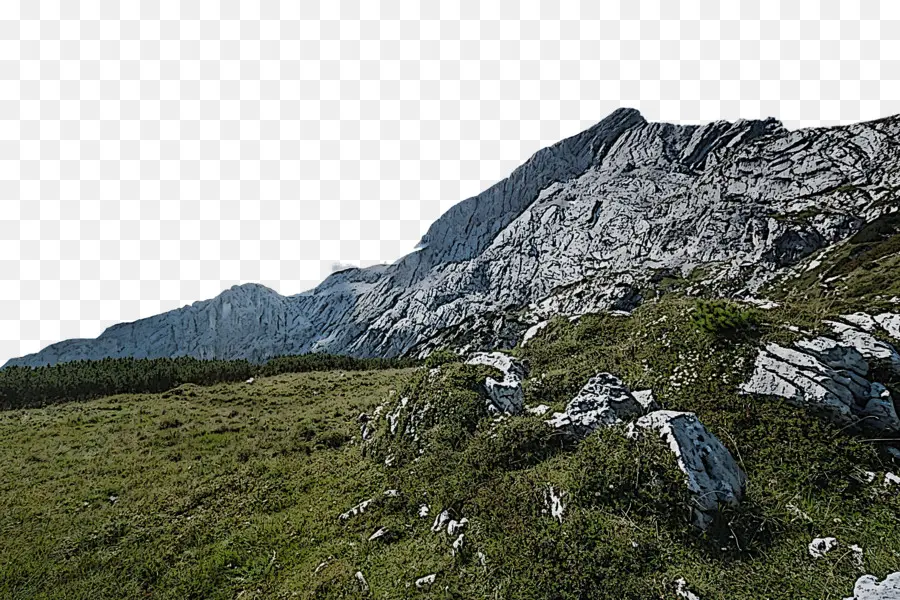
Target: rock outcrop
x=504 y=396
x=713 y=476
x=603 y=401
x=581 y=226
x=829 y=376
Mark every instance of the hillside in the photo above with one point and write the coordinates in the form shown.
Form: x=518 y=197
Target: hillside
x=656 y=362
x=412 y=484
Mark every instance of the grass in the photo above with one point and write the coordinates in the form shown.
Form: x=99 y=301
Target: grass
x=203 y=492
x=235 y=490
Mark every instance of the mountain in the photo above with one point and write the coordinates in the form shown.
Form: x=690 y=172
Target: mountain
x=597 y=221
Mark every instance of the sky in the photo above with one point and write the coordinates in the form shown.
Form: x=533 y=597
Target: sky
x=153 y=154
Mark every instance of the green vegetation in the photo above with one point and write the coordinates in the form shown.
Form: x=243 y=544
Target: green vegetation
x=203 y=486
x=80 y=380
x=200 y=492
x=721 y=317
x=860 y=272
x=234 y=490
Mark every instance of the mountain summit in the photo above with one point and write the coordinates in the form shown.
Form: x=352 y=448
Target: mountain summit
x=590 y=223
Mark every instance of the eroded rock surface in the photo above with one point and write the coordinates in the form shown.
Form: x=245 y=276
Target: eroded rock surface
x=603 y=401
x=504 y=396
x=713 y=476
x=827 y=376
x=579 y=227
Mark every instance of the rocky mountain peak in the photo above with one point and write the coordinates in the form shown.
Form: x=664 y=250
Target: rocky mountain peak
x=583 y=225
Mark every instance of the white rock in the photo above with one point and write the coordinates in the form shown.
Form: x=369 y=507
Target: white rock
x=819 y=547
x=762 y=303
x=392 y=493
x=457 y=544
x=251 y=380
x=862 y=320
x=713 y=476
x=539 y=410
x=891 y=479
x=380 y=533
x=857 y=554
x=454 y=526
x=869 y=347
x=682 y=592
x=603 y=401
x=533 y=331
x=827 y=376
x=323 y=564
x=440 y=521
x=427 y=581
x=868 y=588
x=362 y=581
x=504 y=396
x=482 y=558
x=890 y=322
x=554 y=502
x=646 y=399
x=424 y=510
x=356 y=510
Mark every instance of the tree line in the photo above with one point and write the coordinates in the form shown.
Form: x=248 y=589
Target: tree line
x=28 y=387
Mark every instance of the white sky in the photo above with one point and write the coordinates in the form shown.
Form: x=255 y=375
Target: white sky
x=153 y=154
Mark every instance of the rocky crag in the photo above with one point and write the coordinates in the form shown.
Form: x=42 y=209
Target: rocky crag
x=591 y=223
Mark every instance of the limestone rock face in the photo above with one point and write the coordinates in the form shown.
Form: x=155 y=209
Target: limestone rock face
x=579 y=227
x=830 y=377
x=504 y=396
x=713 y=476
x=603 y=401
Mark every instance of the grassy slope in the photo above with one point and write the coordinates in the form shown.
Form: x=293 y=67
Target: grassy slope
x=235 y=490
x=220 y=490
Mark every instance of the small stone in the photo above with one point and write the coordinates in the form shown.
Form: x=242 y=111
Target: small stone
x=362 y=581
x=251 y=380
x=427 y=581
x=440 y=521
x=356 y=510
x=682 y=592
x=554 y=502
x=819 y=547
x=458 y=544
x=381 y=534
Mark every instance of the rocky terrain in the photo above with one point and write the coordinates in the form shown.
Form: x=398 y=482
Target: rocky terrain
x=657 y=361
x=587 y=224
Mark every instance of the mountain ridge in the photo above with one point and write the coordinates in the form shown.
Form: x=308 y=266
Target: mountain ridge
x=600 y=212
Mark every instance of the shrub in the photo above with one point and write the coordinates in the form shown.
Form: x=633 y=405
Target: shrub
x=720 y=317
